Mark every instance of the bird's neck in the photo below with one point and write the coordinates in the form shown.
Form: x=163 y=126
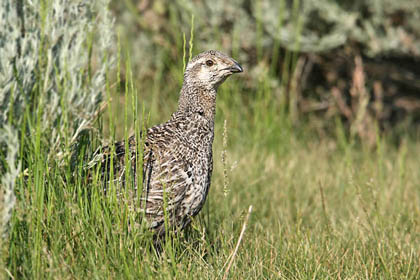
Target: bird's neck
x=195 y=98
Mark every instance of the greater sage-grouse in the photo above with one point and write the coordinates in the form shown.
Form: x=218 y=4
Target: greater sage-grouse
x=177 y=155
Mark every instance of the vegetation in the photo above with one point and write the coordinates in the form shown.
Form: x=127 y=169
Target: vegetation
x=333 y=195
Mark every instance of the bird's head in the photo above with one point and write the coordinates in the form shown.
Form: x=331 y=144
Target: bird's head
x=210 y=69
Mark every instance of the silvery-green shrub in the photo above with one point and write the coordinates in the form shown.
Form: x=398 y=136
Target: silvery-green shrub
x=9 y=143
x=54 y=57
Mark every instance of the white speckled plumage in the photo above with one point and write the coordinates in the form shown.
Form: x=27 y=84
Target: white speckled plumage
x=177 y=157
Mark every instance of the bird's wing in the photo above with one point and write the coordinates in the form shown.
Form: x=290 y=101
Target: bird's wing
x=167 y=174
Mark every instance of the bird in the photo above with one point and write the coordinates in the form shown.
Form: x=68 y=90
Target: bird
x=177 y=161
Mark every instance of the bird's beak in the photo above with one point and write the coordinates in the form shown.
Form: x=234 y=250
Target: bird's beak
x=235 y=68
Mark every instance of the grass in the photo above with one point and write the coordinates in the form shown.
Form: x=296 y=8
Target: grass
x=319 y=212
x=323 y=207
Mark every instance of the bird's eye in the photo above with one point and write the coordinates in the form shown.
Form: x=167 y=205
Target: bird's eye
x=209 y=62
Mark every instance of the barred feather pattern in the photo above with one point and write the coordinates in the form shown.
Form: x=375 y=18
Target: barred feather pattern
x=177 y=155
